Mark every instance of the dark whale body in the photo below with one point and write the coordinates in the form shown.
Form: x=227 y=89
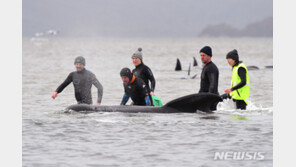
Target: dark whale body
x=186 y=104
x=252 y=68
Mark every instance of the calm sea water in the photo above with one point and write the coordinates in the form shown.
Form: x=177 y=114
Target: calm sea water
x=54 y=138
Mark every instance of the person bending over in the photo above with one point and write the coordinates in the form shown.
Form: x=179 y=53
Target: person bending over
x=134 y=88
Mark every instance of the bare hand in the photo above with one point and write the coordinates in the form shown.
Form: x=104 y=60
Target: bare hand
x=97 y=104
x=151 y=93
x=228 y=90
x=54 y=95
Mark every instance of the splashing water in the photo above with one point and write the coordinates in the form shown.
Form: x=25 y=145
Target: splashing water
x=229 y=107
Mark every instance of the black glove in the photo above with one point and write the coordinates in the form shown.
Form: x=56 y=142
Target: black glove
x=225 y=96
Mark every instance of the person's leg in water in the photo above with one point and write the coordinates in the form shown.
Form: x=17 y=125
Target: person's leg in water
x=240 y=104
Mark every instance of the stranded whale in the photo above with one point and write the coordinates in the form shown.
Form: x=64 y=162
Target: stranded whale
x=186 y=104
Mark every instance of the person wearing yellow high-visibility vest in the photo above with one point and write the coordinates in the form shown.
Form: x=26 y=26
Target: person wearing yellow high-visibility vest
x=240 y=82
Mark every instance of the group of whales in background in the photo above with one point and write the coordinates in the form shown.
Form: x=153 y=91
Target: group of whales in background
x=179 y=68
x=195 y=64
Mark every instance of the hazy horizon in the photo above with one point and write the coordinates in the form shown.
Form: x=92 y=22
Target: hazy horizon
x=138 y=18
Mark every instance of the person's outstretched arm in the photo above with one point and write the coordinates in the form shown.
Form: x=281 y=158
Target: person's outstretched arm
x=62 y=86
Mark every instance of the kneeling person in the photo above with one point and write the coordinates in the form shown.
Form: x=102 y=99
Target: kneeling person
x=134 y=88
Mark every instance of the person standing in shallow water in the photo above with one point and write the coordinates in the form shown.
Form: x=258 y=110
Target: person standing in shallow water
x=82 y=80
x=210 y=73
x=144 y=72
x=240 y=88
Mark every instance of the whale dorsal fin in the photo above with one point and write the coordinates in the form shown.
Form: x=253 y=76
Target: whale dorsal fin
x=194 y=62
x=189 y=69
x=178 y=65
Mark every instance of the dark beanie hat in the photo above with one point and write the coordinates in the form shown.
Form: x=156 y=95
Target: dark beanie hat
x=127 y=73
x=80 y=59
x=207 y=50
x=138 y=54
x=233 y=55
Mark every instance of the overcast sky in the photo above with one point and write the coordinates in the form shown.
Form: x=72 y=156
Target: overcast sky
x=138 y=18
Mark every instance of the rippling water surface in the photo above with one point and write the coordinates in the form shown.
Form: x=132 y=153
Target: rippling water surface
x=54 y=138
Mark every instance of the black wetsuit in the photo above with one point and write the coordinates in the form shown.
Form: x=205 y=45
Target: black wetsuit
x=209 y=78
x=137 y=91
x=240 y=104
x=83 y=81
x=144 y=72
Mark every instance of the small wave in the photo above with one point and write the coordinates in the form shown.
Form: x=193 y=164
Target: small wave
x=36 y=122
x=229 y=107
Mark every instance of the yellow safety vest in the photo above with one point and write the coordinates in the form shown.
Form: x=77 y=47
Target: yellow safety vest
x=241 y=93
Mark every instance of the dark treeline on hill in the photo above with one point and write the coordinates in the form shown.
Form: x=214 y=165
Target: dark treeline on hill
x=262 y=28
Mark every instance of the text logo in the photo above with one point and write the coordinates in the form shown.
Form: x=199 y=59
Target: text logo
x=239 y=155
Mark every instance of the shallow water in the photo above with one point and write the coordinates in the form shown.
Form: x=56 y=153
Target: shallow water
x=54 y=138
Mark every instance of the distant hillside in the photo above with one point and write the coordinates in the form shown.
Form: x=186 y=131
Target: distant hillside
x=262 y=28
x=137 y=18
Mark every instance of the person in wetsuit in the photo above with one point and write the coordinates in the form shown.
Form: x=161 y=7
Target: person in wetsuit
x=210 y=72
x=240 y=88
x=134 y=87
x=144 y=72
x=82 y=80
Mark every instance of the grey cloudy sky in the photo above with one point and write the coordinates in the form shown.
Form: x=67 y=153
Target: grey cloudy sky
x=138 y=18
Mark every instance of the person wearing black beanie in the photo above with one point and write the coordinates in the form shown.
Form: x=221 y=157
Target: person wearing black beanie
x=240 y=88
x=207 y=50
x=210 y=74
x=134 y=87
x=126 y=72
x=233 y=55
